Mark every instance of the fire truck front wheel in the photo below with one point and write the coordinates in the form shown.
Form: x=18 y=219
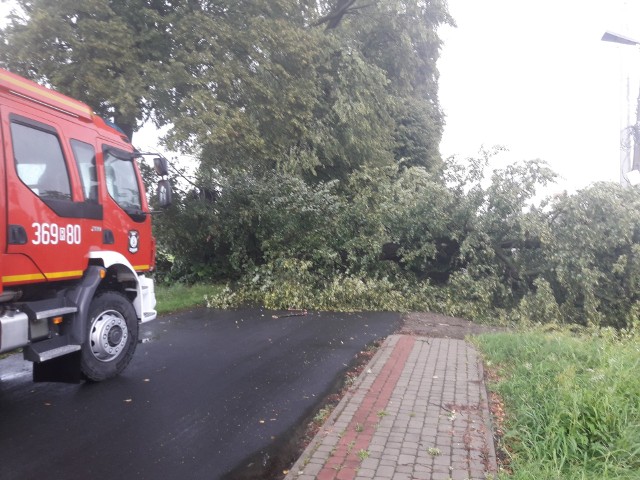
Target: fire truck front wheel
x=112 y=336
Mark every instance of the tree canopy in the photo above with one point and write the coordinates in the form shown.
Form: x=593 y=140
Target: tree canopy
x=250 y=85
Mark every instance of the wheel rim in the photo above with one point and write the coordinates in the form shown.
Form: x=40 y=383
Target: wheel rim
x=108 y=335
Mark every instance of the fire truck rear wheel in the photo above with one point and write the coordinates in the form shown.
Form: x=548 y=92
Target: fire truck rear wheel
x=112 y=336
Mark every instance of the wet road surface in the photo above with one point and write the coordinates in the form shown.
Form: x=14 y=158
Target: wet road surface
x=205 y=391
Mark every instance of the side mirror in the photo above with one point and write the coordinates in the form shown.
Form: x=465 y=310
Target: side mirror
x=164 y=193
x=161 y=165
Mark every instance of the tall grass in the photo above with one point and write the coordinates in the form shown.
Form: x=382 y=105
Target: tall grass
x=572 y=402
x=178 y=296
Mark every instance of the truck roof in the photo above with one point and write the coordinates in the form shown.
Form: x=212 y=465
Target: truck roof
x=32 y=91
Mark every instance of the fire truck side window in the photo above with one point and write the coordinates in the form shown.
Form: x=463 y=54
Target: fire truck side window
x=85 y=156
x=39 y=162
x=122 y=182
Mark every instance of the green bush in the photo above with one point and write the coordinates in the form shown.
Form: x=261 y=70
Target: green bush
x=383 y=236
x=593 y=254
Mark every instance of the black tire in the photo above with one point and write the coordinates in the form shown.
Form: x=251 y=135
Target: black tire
x=111 y=337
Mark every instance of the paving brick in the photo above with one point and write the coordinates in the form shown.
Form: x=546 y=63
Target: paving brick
x=388 y=459
x=376 y=455
x=326 y=475
x=442 y=460
x=312 y=469
x=393 y=448
x=385 y=471
x=377 y=445
x=404 y=469
x=421 y=476
x=401 y=476
x=410 y=446
x=406 y=459
x=440 y=476
x=365 y=474
x=346 y=474
x=477 y=473
x=418 y=467
x=324 y=448
x=370 y=463
x=459 y=475
x=413 y=381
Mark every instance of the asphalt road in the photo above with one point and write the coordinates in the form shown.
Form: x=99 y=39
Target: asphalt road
x=207 y=392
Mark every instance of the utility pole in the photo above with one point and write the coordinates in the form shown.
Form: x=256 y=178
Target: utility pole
x=629 y=132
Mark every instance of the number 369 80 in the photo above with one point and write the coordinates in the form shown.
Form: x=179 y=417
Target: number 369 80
x=52 y=234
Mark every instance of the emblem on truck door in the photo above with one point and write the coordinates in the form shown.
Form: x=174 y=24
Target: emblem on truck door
x=134 y=241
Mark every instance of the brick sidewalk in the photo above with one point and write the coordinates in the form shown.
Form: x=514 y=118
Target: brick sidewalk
x=418 y=411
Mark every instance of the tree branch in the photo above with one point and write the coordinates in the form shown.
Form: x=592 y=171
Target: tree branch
x=512 y=269
x=333 y=18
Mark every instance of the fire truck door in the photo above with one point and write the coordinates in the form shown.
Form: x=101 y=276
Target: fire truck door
x=50 y=214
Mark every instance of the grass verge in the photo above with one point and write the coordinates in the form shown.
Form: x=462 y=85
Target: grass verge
x=176 y=297
x=572 y=409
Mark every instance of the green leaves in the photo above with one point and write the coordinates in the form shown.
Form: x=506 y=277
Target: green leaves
x=248 y=85
x=593 y=247
x=401 y=238
x=88 y=50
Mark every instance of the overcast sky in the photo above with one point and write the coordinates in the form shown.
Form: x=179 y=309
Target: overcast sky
x=536 y=78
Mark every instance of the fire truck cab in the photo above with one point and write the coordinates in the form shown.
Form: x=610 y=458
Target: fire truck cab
x=75 y=236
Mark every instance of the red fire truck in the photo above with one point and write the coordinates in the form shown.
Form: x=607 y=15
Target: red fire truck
x=75 y=236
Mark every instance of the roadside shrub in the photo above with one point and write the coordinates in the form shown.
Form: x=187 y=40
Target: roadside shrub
x=593 y=254
x=299 y=289
x=539 y=306
x=382 y=237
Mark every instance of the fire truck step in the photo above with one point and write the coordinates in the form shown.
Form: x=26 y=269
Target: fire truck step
x=49 y=349
x=55 y=312
x=57 y=352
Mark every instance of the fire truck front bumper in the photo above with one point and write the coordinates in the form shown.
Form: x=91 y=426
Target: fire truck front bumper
x=148 y=299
